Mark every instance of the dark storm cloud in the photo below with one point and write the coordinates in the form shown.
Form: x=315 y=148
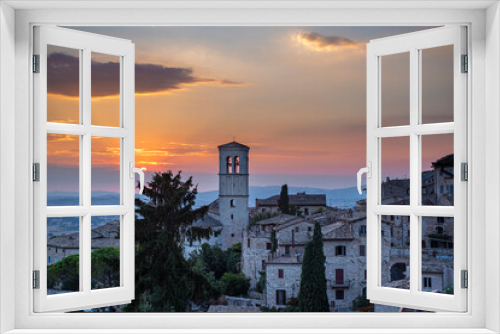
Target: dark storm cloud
x=63 y=73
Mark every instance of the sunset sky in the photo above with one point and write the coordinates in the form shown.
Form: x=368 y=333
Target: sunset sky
x=295 y=95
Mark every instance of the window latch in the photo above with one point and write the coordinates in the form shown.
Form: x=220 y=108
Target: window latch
x=133 y=170
x=368 y=171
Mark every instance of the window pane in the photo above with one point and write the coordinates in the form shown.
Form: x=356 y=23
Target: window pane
x=63 y=170
x=63 y=85
x=105 y=171
x=437 y=254
x=437 y=84
x=395 y=236
x=437 y=170
x=395 y=171
x=395 y=91
x=105 y=252
x=105 y=90
x=63 y=247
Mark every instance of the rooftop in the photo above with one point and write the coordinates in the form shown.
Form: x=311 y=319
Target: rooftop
x=300 y=199
x=233 y=145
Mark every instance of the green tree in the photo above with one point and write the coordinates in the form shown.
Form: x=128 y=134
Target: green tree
x=235 y=284
x=66 y=272
x=274 y=241
x=362 y=304
x=284 y=202
x=312 y=293
x=165 y=280
x=233 y=258
x=105 y=267
x=261 y=283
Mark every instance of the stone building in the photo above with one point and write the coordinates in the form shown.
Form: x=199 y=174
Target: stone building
x=307 y=204
x=345 y=267
x=59 y=247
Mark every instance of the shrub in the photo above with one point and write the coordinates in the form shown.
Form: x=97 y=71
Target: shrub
x=235 y=284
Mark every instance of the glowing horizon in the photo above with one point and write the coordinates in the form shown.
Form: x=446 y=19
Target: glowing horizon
x=295 y=95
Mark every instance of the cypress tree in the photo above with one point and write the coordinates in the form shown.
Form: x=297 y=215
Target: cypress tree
x=284 y=203
x=274 y=242
x=312 y=293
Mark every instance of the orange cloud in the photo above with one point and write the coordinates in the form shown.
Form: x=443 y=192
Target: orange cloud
x=322 y=43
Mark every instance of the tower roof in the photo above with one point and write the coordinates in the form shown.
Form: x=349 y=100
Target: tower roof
x=233 y=145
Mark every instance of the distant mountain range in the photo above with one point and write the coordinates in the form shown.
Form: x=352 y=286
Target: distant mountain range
x=345 y=197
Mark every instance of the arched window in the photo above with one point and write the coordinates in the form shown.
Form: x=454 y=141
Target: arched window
x=232 y=203
x=229 y=165
x=236 y=165
x=439 y=230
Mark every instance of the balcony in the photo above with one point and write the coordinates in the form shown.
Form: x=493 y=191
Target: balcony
x=345 y=284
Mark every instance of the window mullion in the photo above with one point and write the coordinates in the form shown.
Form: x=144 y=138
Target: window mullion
x=414 y=169
x=85 y=177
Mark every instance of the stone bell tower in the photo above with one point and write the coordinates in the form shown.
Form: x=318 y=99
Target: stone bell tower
x=233 y=192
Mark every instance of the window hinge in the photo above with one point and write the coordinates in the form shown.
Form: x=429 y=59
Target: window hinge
x=465 y=279
x=36 y=172
x=36 y=279
x=464 y=171
x=465 y=64
x=36 y=63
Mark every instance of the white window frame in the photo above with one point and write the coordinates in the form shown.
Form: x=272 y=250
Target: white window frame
x=86 y=43
x=483 y=20
x=413 y=44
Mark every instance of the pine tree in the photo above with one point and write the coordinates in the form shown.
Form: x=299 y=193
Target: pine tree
x=312 y=293
x=284 y=203
x=165 y=280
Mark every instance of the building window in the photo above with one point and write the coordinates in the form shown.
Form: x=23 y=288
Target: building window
x=296 y=228
x=280 y=297
x=362 y=250
x=232 y=235
x=48 y=259
x=440 y=220
x=268 y=246
x=340 y=251
x=248 y=242
x=363 y=292
x=287 y=251
x=427 y=282
x=281 y=273
x=365 y=274
x=55 y=260
x=236 y=165
x=339 y=276
x=439 y=230
x=306 y=211
x=339 y=294
x=362 y=229
x=232 y=216
x=309 y=229
x=231 y=203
